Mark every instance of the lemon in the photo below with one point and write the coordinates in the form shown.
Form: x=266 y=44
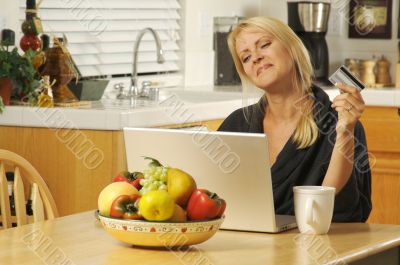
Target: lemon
x=157 y=205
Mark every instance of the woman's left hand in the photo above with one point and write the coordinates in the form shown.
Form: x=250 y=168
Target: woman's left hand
x=349 y=105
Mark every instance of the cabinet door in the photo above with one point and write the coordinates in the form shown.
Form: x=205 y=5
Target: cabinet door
x=382 y=127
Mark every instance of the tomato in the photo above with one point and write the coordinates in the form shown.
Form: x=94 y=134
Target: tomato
x=205 y=205
x=136 y=182
x=133 y=178
x=122 y=176
x=126 y=207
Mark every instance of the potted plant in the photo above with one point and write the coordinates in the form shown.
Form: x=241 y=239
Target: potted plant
x=18 y=77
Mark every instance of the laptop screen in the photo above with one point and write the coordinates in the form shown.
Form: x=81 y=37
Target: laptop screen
x=233 y=165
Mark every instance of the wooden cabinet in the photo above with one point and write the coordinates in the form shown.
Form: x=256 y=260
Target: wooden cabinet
x=382 y=127
x=76 y=176
x=76 y=164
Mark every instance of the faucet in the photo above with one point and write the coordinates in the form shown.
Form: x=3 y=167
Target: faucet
x=134 y=89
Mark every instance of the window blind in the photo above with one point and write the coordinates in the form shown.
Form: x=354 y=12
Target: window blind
x=101 y=34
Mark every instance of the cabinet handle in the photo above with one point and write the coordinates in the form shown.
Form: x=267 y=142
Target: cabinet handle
x=398 y=111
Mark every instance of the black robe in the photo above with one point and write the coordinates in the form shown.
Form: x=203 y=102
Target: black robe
x=295 y=167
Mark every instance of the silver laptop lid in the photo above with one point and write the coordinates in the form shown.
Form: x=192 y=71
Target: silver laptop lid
x=233 y=165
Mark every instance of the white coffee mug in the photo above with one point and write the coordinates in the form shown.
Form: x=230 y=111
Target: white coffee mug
x=313 y=207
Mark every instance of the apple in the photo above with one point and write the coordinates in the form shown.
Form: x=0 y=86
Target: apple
x=110 y=193
x=156 y=205
x=179 y=215
x=180 y=186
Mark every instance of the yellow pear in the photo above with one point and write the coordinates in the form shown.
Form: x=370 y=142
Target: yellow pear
x=180 y=186
x=179 y=215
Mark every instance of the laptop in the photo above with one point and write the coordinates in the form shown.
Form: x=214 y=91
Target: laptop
x=233 y=165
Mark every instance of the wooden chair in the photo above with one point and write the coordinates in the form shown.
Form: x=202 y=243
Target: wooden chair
x=43 y=204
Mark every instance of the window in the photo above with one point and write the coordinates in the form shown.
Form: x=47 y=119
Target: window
x=101 y=34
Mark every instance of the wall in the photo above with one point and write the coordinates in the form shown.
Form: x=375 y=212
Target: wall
x=197 y=24
x=8 y=13
x=339 y=45
x=198 y=34
x=198 y=47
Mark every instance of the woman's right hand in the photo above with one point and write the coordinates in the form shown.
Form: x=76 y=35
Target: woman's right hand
x=349 y=105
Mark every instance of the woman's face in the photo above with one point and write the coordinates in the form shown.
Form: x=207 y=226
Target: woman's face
x=265 y=60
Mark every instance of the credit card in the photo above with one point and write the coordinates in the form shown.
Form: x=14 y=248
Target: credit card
x=343 y=75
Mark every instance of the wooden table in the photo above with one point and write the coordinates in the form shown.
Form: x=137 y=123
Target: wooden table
x=80 y=239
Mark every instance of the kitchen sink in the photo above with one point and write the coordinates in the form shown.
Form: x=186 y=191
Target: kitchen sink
x=165 y=94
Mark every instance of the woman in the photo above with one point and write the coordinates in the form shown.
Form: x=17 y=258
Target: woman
x=311 y=141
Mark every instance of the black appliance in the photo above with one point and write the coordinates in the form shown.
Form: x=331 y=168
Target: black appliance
x=309 y=20
x=224 y=68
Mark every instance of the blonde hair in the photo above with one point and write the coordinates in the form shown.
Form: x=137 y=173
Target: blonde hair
x=306 y=131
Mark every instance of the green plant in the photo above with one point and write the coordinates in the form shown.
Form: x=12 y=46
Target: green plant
x=20 y=70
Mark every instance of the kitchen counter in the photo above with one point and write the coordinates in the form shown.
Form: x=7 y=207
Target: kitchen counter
x=388 y=97
x=175 y=106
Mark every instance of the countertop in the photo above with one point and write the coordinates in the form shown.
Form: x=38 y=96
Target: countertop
x=175 y=106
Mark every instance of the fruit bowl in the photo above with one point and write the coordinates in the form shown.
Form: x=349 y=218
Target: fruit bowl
x=160 y=234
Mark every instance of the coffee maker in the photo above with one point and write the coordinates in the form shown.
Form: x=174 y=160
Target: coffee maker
x=224 y=68
x=309 y=20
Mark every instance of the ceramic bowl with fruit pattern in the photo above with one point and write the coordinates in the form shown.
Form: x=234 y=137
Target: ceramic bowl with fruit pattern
x=160 y=234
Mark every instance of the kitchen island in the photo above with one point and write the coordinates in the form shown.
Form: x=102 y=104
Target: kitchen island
x=79 y=150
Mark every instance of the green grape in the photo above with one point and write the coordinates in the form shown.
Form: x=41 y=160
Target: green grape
x=155 y=178
x=162 y=187
x=158 y=171
x=144 y=182
x=153 y=186
x=152 y=169
x=152 y=178
x=143 y=191
x=163 y=178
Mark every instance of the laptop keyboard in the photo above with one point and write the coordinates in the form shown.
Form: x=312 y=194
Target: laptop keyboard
x=284 y=219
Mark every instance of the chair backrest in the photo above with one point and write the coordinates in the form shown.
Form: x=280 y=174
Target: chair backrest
x=43 y=205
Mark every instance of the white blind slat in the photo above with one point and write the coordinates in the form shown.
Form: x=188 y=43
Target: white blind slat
x=102 y=4
x=101 y=34
x=118 y=36
x=106 y=25
x=126 y=58
x=130 y=14
x=127 y=68
x=103 y=48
